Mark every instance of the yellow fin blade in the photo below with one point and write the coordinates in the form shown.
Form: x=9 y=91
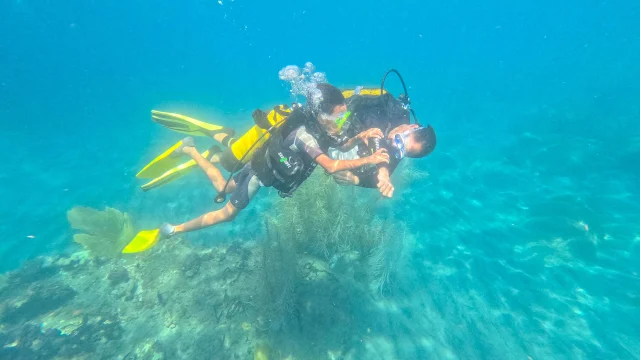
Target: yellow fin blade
x=185 y=124
x=173 y=174
x=145 y=240
x=161 y=164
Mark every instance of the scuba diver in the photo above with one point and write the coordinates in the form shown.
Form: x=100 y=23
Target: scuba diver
x=369 y=110
x=238 y=151
x=401 y=138
x=284 y=161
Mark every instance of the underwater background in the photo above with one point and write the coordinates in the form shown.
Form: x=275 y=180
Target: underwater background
x=519 y=237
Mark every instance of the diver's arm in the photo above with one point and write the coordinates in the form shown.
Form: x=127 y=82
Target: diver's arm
x=346 y=178
x=372 y=180
x=350 y=144
x=383 y=172
x=332 y=166
x=362 y=137
x=384 y=184
x=380 y=179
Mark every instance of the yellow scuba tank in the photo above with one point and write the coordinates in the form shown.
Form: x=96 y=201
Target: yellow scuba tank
x=244 y=147
x=362 y=91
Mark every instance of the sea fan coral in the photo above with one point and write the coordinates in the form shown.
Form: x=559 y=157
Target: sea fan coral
x=105 y=233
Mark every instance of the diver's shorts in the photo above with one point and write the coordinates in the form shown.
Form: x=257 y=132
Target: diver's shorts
x=247 y=185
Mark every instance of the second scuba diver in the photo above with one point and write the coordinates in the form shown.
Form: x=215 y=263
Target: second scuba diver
x=401 y=138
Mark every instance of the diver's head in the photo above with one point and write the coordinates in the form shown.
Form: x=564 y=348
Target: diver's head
x=329 y=107
x=413 y=140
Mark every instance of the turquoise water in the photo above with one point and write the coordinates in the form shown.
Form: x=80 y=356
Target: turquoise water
x=527 y=231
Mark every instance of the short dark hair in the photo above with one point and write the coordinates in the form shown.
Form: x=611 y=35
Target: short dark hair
x=331 y=97
x=426 y=138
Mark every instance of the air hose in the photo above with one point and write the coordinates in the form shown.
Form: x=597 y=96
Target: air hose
x=406 y=100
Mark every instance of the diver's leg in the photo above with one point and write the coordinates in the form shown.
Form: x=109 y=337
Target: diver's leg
x=219 y=137
x=226 y=214
x=212 y=172
x=224 y=138
x=247 y=187
x=215 y=158
x=227 y=141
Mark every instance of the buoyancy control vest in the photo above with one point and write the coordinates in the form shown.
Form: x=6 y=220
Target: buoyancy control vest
x=280 y=166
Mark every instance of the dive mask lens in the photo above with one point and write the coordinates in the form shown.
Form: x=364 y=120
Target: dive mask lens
x=399 y=142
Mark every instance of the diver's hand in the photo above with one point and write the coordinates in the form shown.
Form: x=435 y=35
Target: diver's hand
x=346 y=178
x=379 y=157
x=385 y=186
x=370 y=133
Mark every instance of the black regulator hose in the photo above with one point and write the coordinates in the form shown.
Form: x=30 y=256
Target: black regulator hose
x=406 y=100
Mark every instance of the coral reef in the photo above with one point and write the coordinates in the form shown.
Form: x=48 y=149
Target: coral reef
x=238 y=300
x=105 y=233
x=506 y=258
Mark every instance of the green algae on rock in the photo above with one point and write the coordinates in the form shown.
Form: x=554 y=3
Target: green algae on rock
x=106 y=232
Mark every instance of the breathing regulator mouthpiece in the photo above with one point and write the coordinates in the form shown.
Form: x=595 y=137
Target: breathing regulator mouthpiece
x=340 y=121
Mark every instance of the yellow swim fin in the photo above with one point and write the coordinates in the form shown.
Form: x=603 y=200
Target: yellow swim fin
x=187 y=125
x=165 y=161
x=175 y=173
x=145 y=240
x=169 y=176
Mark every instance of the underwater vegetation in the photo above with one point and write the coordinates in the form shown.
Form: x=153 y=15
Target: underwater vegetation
x=334 y=223
x=238 y=300
x=326 y=242
x=104 y=233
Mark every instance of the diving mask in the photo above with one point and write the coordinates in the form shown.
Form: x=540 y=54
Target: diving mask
x=399 y=144
x=399 y=141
